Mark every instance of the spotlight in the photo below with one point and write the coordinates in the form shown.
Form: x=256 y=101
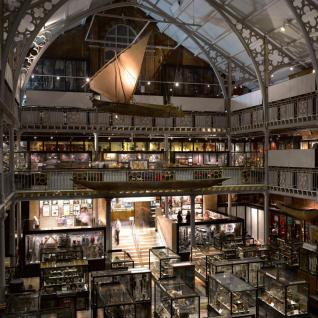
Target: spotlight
x=272 y=75
x=208 y=85
x=116 y=116
x=51 y=137
x=177 y=84
x=291 y=68
x=170 y=89
x=32 y=76
x=282 y=28
x=148 y=83
x=58 y=78
x=87 y=79
x=313 y=71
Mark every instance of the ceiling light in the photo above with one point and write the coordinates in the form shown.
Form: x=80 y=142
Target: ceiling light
x=148 y=83
x=170 y=89
x=208 y=85
x=234 y=87
x=291 y=68
x=108 y=138
x=177 y=84
x=272 y=75
x=313 y=71
x=282 y=28
x=116 y=116
x=35 y=137
x=87 y=79
x=190 y=139
x=58 y=78
x=51 y=137
x=32 y=76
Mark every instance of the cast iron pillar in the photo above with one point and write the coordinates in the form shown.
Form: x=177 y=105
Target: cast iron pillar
x=12 y=231
x=266 y=140
x=96 y=146
x=108 y=245
x=192 y=220
x=2 y=255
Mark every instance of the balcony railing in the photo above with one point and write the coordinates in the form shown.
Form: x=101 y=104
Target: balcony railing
x=86 y=119
x=295 y=111
x=58 y=180
x=302 y=182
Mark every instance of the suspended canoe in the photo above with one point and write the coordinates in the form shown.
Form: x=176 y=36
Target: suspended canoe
x=310 y=215
x=148 y=110
x=117 y=81
x=149 y=185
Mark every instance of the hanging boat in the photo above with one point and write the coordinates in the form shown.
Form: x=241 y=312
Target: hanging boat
x=104 y=187
x=309 y=215
x=117 y=81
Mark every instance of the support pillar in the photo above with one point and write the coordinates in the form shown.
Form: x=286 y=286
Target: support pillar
x=192 y=220
x=11 y=156
x=19 y=222
x=167 y=207
x=266 y=139
x=109 y=236
x=2 y=255
x=166 y=151
x=229 y=204
x=96 y=146
x=1 y=160
x=12 y=231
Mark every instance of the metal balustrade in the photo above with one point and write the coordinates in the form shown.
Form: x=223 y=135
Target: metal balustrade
x=71 y=119
x=301 y=182
x=59 y=180
x=300 y=110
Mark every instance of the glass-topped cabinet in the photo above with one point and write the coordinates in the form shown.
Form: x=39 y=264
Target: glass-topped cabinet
x=201 y=256
x=308 y=258
x=121 y=293
x=175 y=299
x=119 y=259
x=281 y=294
x=161 y=260
x=230 y=296
x=245 y=268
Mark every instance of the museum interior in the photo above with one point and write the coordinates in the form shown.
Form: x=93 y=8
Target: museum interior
x=158 y=158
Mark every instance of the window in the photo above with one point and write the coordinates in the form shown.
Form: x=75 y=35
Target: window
x=118 y=38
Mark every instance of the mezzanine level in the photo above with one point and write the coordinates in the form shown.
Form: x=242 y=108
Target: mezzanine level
x=60 y=182
x=78 y=120
x=296 y=112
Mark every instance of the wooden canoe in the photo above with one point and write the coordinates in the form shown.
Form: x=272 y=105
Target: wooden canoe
x=309 y=215
x=148 y=185
x=148 y=110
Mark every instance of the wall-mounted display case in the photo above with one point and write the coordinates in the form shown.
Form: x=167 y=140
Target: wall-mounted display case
x=125 y=293
x=308 y=259
x=282 y=295
x=161 y=260
x=118 y=259
x=63 y=279
x=63 y=213
x=246 y=268
x=231 y=296
x=91 y=239
x=201 y=256
x=183 y=204
x=61 y=254
x=174 y=298
x=288 y=251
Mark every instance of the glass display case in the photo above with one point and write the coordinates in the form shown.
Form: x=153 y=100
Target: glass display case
x=175 y=299
x=25 y=304
x=118 y=259
x=161 y=260
x=62 y=244
x=308 y=258
x=288 y=251
x=63 y=279
x=230 y=296
x=184 y=271
x=245 y=268
x=125 y=293
x=210 y=228
x=282 y=294
x=60 y=254
x=200 y=256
